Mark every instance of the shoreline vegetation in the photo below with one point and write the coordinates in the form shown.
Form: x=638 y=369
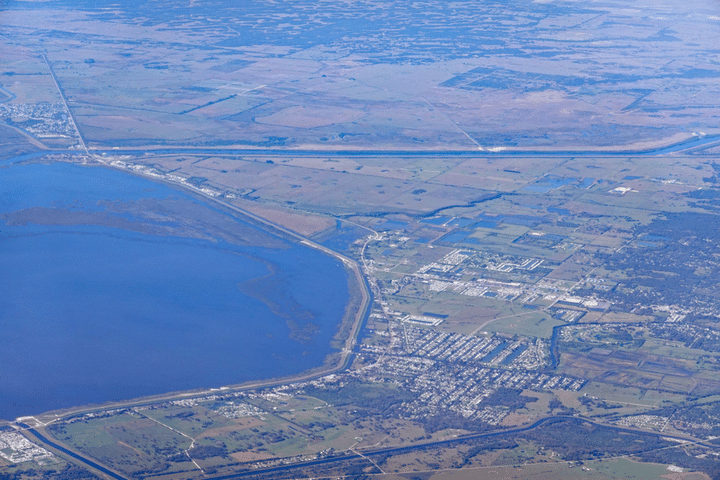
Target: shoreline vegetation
x=356 y=311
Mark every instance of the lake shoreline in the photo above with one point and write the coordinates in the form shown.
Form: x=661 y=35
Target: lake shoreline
x=347 y=330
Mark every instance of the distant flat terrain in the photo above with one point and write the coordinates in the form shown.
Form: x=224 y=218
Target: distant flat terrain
x=358 y=75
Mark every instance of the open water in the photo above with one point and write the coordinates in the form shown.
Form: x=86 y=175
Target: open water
x=94 y=313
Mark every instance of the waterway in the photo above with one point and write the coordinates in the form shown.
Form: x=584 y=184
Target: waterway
x=692 y=143
x=107 y=293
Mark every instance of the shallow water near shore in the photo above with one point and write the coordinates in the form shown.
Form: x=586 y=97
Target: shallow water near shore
x=104 y=300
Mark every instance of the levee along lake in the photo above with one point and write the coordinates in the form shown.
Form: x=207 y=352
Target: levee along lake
x=115 y=287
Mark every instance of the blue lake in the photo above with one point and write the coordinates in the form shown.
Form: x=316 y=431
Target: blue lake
x=90 y=312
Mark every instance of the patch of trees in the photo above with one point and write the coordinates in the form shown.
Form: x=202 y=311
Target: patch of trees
x=73 y=472
x=485 y=445
x=69 y=472
x=576 y=346
x=578 y=440
x=700 y=340
x=705 y=194
x=681 y=458
x=449 y=419
x=57 y=430
x=508 y=397
x=679 y=225
x=154 y=468
x=187 y=414
x=206 y=451
x=177 y=457
x=370 y=397
x=354 y=468
x=589 y=403
x=320 y=425
x=686 y=242
x=272 y=437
